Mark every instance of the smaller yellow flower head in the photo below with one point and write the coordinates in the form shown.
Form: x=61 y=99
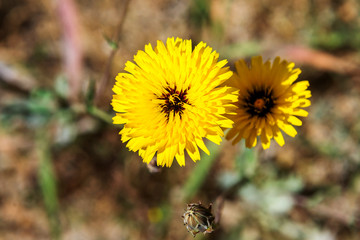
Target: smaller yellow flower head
x=269 y=100
x=170 y=99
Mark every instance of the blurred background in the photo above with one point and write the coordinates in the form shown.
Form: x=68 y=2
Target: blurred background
x=64 y=173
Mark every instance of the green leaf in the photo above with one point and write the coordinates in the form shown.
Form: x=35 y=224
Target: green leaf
x=90 y=93
x=111 y=43
x=247 y=162
x=47 y=182
x=61 y=86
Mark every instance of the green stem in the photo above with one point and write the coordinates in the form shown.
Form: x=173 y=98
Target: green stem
x=200 y=172
x=96 y=112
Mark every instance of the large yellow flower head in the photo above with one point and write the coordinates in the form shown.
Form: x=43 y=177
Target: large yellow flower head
x=170 y=99
x=268 y=101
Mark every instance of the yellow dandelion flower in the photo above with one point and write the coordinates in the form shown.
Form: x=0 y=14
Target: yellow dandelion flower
x=268 y=101
x=170 y=99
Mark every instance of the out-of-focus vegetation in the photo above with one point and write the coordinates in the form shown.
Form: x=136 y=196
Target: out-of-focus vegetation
x=64 y=173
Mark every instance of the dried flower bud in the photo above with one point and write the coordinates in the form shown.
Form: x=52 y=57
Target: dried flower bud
x=197 y=219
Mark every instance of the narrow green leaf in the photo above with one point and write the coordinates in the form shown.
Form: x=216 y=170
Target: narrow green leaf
x=111 y=43
x=47 y=183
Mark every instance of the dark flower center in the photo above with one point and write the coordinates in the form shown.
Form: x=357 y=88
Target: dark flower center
x=259 y=102
x=174 y=101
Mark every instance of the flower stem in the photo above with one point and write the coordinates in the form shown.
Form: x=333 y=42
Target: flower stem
x=200 y=172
